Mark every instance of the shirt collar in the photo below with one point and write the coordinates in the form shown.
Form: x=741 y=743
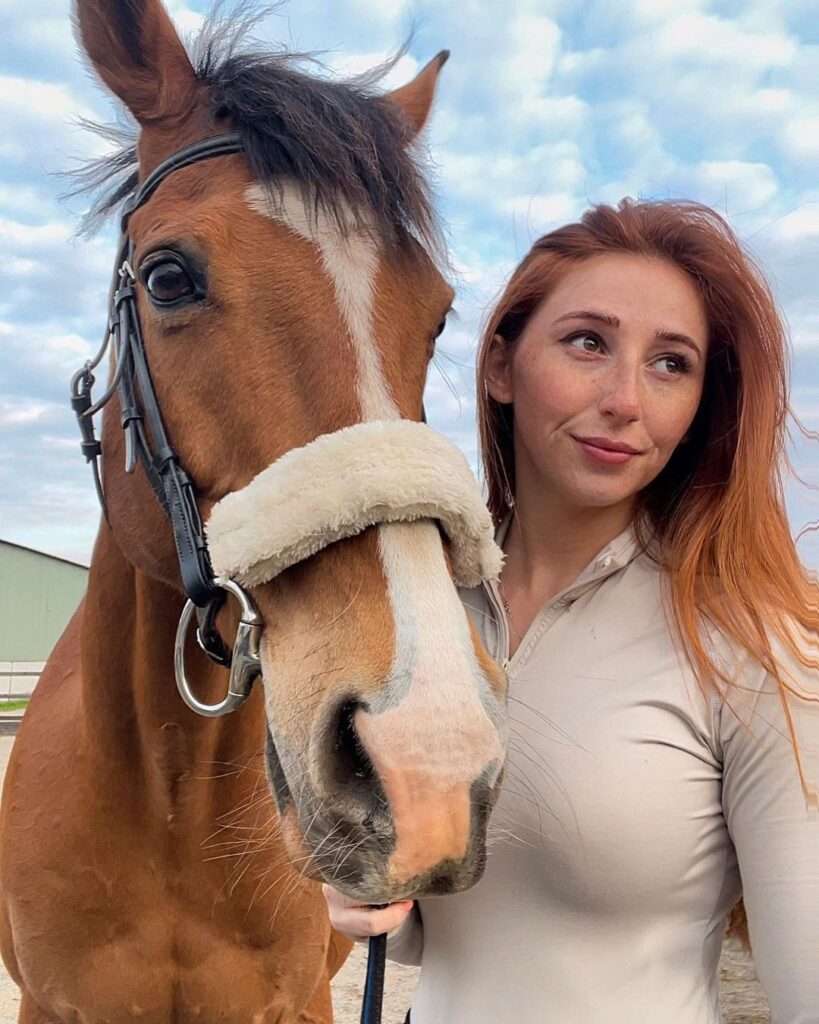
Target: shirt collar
x=616 y=555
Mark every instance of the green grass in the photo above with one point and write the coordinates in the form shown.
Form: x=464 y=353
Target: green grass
x=13 y=705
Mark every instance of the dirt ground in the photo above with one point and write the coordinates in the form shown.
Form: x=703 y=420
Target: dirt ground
x=743 y=1001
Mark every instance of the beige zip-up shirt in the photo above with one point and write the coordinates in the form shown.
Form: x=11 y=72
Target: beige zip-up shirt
x=633 y=814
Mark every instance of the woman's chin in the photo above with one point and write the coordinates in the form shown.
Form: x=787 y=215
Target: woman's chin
x=591 y=496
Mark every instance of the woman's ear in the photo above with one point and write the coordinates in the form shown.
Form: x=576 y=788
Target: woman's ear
x=498 y=375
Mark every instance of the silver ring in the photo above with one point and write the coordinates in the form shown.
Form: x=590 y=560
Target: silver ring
x=245 y=665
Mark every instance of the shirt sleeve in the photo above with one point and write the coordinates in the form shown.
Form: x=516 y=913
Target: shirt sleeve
x=774 y=827
x=406 y=944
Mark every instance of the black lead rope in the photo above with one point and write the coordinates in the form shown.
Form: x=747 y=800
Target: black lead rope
x=374 y=982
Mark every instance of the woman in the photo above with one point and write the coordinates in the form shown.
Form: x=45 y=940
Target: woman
x=660 y=639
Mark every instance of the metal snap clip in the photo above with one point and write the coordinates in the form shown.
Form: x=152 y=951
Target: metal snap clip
x=245 y=663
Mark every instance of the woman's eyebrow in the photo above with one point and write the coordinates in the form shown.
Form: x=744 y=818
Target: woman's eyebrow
x=613 y=321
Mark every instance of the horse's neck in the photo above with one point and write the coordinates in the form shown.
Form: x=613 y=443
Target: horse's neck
x=134 y=716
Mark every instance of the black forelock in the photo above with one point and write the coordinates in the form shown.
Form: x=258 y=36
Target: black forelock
x=343 y=142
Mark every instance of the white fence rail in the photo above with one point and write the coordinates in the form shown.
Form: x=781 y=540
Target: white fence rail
x=18 y=678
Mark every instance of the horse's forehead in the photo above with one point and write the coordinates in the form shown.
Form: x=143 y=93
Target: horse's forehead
x=349 y=254
x=286 y=202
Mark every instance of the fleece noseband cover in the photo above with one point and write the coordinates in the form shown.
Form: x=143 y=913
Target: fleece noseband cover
x=336 y=486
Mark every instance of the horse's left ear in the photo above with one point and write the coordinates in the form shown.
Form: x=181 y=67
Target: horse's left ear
x=136 y=51
x=415 y=98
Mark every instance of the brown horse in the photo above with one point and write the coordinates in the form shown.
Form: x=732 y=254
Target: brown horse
x=285 y=293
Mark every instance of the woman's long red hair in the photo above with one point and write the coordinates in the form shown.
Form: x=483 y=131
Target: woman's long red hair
x=716 y=513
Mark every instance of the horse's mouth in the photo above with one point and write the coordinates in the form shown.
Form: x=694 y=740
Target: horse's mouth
x=354 y=853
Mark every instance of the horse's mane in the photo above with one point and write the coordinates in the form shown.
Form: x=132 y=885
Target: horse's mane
x=341 y=140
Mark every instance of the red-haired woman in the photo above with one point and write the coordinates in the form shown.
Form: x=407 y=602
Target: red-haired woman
x=660 y=636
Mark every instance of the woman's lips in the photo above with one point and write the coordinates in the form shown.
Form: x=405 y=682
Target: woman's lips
x=607 y=452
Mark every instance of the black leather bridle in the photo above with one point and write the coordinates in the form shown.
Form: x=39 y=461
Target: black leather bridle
x=147 y=441
x=146 y=438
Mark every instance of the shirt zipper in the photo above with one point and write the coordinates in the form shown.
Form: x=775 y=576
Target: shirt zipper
x=542 y=621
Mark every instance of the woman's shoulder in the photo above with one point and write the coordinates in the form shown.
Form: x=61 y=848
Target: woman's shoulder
x=792 y=658
x=769 y=712
x=793 y=651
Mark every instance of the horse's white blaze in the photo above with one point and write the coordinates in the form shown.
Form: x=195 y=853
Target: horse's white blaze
x=431 y=716
x=351 y=261
x=433 y=709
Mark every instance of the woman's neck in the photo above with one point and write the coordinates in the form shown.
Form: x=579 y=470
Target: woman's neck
x=549 y=543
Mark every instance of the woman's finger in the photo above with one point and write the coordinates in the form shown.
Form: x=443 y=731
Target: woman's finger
x=360 y=921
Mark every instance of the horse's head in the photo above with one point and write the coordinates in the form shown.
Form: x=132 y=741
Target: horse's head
x=285 y=293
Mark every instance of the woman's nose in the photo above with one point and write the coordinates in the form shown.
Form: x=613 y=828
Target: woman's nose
x=620 y=394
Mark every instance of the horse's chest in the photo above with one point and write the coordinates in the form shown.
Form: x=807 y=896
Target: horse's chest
x=182 y=971
x=122 y=927
x=122 y=910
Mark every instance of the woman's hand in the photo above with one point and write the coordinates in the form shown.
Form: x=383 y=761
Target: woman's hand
x=358 y=921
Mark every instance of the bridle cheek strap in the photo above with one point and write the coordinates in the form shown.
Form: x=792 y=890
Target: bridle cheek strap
x=340 y=484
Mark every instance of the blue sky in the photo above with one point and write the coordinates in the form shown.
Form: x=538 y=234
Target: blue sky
x=545 y=107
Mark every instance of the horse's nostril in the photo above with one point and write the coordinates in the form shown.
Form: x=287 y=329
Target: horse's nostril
x=351 y=760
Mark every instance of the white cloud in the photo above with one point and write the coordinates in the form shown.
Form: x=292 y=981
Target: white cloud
x=25 y=199
x=774 y=102
x=478 y=282
x=40 y=123
x=800 y=136
x=352 y=64
x=17 y=412
x=41 y=100
x=805 y=401
x=18 y=267
x=188 y=22
x=631 y=123
x=543 y=210
x=581 y=62
x=803 y=321
x=45 y=32
x=57 y=516
x=389 y=11
x=797 y=226
x=708 y=39
x=33 y=237
x=511 y=181
x=67 y=444
x=535 y=42
x=45 y=348
x=445 y=393
x=558 y=116
x=662 y=10
x=746 y=185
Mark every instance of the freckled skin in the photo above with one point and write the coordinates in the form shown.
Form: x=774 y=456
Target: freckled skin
x=620 y=383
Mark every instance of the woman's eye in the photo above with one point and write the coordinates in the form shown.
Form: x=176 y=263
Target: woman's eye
x=169 y=282
x=673 y=365
x=585 y=342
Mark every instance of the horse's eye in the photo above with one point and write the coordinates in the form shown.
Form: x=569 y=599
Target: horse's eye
x=168 y=282
x=441 y=328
